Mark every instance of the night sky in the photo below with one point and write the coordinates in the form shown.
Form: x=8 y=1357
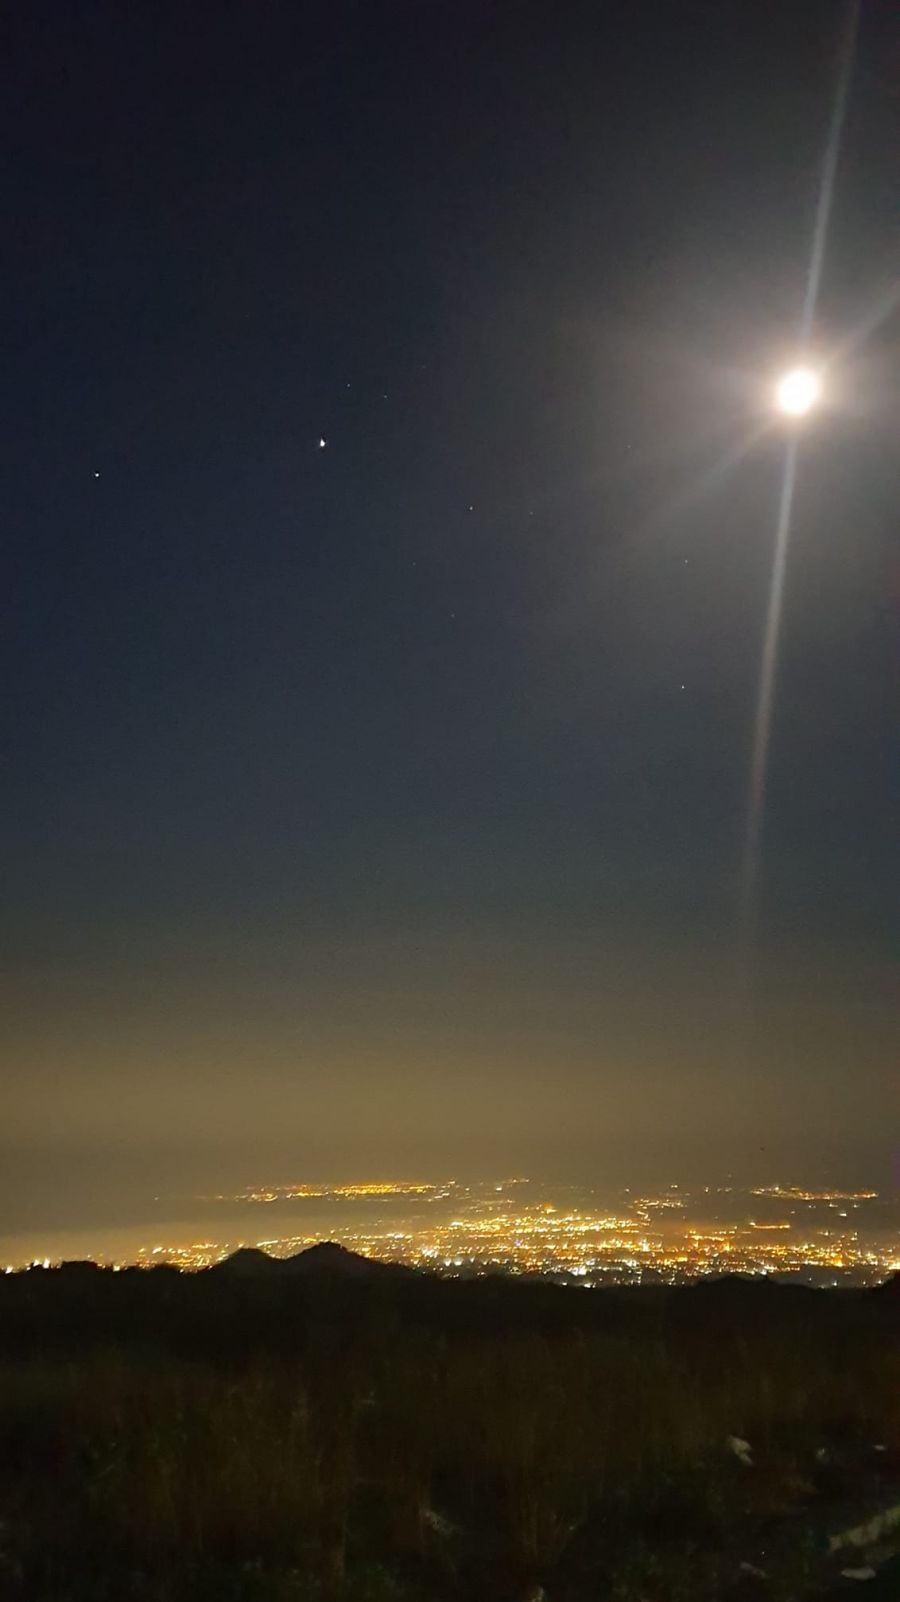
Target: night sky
x=377 y=807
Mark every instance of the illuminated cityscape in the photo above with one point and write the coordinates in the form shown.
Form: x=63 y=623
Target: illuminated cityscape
x=516 y=1226
x=273 y=1193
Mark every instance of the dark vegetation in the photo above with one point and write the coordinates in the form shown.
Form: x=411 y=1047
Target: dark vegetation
x=336 y=1432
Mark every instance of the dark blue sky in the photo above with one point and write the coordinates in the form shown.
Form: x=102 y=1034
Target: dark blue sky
x=369 y=804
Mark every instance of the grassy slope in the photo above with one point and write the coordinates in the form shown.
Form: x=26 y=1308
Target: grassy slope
x=169 y=1438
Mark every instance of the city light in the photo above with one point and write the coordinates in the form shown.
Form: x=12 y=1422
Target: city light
x=671 y=1235
x=567 y=1233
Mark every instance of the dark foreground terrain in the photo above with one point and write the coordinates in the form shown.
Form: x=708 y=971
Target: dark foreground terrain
x=334 y=1430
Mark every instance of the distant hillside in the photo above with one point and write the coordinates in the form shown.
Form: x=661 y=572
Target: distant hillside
x=325 y=1258
x=247 y=1262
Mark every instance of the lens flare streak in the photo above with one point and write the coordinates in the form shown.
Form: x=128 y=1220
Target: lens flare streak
x=763 y=723
x=805 y=391
x=829 y=170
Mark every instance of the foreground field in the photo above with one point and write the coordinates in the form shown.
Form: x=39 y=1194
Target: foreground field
x=166 y=1437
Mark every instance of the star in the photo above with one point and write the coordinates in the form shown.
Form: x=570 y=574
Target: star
x=96 y=475
x=322 y=444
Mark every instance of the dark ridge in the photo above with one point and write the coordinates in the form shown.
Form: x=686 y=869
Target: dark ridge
x=743 y=1287
x=249 y=1261
x=327 y=1257
x=330 y=1258
x=888 y=1287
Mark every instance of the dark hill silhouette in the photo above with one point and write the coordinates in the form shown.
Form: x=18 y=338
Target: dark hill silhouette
x=741 y=1302
x=330 y=1258
x=744 y=1290
x=327 y=1257
x=247 y=1262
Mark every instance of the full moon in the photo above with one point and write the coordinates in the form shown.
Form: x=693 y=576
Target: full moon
x=798 y=391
